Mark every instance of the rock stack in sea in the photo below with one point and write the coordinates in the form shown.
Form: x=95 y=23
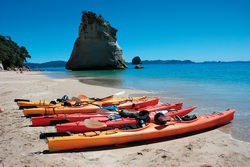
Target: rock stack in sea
x=96 y=46
x=136 y=60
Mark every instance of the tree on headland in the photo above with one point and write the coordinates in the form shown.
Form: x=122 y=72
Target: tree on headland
x=11 y=55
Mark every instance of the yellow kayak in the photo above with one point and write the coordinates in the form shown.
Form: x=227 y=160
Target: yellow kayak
x=92 y=107
x=75 y=100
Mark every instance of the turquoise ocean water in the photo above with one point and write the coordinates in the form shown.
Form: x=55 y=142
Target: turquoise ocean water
x=210 y=86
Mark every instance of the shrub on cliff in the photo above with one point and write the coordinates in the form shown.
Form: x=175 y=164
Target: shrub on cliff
x=11 y=55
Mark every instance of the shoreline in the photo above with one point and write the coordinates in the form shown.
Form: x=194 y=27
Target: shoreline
x=21 y=144
x=164 y=98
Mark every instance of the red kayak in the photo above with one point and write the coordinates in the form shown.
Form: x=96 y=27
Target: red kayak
x=138 y=103
x=65 y=118
x=80 y=126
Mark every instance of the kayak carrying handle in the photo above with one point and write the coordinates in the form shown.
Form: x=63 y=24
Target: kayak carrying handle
x=91 y=133
x=110 y=132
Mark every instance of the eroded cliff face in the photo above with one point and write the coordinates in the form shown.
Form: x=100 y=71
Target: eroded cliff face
x=96 y=46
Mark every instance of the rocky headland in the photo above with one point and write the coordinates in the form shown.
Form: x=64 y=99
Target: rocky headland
x=96 y=46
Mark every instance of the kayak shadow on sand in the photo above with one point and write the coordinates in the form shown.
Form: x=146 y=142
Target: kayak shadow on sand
x=132 y=144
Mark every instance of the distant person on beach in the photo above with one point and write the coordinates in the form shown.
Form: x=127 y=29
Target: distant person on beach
x=16 y=69
x=21 y=70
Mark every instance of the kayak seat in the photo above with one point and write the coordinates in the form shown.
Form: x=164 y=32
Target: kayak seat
x=129 y=126
x=53 y=102
x=185 y=118
x=188 y=117
x=159 y=121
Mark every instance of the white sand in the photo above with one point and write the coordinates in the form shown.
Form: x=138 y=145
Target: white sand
x=20 y=144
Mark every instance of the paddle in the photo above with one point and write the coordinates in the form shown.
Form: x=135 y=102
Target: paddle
x=105 y=112
x=82 y=96
x=119 y=93
x=76 y=99
x=79 y=100
x=165 y=118
x=91 y=123
x=116 y=94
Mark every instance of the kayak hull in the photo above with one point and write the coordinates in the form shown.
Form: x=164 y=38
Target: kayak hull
x=151 y=131
x=35 y=104
x=88 y=108
x=138 y=103
x=63 y=118
x=104 y=101
x=76 y=127
x=61 y=110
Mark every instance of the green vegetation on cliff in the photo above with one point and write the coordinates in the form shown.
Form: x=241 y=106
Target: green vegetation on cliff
x=11 y=55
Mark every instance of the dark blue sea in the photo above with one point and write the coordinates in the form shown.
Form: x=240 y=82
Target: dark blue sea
x=210 y=86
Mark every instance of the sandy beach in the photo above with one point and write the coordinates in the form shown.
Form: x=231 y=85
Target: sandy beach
x=20 y=144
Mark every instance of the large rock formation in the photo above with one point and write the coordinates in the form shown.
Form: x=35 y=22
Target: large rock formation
x=96 y=47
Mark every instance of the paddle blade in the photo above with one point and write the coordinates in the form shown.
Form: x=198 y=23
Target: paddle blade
x=82 y=96
x=76 y=99
x=91 y=123
x=165 y=118
x=105 y=112
x=119 y=93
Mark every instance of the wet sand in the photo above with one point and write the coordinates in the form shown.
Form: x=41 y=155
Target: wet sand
x=21 y=146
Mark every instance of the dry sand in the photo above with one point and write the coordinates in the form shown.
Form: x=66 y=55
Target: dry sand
x=20 y=144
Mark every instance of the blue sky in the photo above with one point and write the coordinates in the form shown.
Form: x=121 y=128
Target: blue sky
x=197 y=30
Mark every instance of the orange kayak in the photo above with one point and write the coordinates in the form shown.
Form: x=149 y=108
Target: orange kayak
x=149 y=132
